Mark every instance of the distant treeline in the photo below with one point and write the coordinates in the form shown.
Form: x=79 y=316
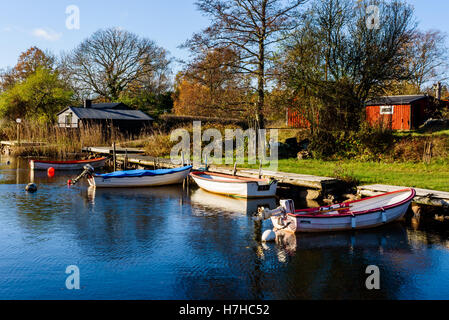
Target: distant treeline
x=255 y=58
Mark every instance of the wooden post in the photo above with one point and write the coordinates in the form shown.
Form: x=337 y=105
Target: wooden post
x=114 y=157
x=18 y=134
x=126 y=159
x=235 y=169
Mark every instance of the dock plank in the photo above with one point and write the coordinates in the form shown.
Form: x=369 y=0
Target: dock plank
x=23 y=143
x=423 y=196
x=110 y=150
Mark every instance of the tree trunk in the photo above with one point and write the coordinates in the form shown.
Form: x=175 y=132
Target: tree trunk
x=261 y=73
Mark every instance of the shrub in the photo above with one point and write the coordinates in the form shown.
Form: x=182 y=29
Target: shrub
x=323 y=144
x=348 y=178
x=375 y=140
x=159 y=145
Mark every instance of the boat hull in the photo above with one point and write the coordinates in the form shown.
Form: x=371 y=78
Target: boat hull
x=368 y=218
x=67 y=165
x=235 y=187
x=137 y=182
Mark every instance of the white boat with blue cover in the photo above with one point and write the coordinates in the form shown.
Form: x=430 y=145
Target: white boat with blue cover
x=139 y=178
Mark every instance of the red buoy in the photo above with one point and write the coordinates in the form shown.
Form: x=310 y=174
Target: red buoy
x=69 y=182
x=51 y=172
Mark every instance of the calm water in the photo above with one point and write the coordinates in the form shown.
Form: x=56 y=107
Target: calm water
x=166 y=243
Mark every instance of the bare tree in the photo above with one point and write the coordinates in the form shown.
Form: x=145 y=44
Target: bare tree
x=336 y=58
x=428 y=57
x=251 y=28
x=112 y=60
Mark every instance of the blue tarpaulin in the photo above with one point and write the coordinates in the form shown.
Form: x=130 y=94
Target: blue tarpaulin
x=142 y=173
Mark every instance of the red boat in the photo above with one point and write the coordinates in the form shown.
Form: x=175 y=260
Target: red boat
x=360 y=214
x=67 y=165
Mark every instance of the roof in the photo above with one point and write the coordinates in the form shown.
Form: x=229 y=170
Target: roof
x=395 y=100
x=109 y=114
x=119 y=105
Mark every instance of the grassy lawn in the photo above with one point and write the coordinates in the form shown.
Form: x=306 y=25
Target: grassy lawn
x=434 y=176
x=419 y=134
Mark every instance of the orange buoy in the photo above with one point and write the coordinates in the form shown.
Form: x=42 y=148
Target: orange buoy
x=51 y=172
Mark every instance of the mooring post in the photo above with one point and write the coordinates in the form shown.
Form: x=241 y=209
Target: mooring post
x=114 y=156
x=235 y=169
x=18 y=131
x=126 y=159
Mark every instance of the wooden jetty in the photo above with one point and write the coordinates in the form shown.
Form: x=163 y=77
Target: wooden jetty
x=313 y=187
x=21 y=143
x=423 y=196
x=7 y=147
x=110 y=150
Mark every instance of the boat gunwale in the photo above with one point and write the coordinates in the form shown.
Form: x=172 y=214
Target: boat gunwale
x=237 y=179
x=356 y=213
x=186 y=168
x=70 y=162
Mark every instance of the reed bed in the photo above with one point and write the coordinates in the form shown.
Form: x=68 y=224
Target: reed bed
x=58 y=142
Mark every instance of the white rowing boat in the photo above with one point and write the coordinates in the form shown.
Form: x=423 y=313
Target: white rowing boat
x=360 y=214
x=234 y=186
x=139 y=178
x=67 y=165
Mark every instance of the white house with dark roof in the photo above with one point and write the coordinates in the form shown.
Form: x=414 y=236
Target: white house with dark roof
x=117 y=114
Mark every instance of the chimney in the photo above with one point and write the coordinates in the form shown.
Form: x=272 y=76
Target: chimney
x=438 y=90
x=87 y=103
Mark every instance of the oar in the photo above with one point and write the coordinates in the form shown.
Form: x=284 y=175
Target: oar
x=336 y=209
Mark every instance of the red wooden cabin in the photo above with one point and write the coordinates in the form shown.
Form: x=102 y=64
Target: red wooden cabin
x=400 y=112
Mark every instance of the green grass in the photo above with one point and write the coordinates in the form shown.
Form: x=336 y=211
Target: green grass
x=434 y=176
x=421 y=134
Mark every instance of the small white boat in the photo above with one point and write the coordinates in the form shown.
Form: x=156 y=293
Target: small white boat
x=234 y=186
x=67 y=165
x=139 y=178
x=360 y=214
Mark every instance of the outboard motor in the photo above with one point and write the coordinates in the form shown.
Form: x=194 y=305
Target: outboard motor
x=88 y=171
x=286 y=207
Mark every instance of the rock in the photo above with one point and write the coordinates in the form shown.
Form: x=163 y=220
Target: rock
x=313 y=194
x=416 y=209
x=303 y=155
x=350 y=197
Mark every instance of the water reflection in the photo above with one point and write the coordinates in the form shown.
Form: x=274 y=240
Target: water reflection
x=170 y=243
x=389 y=238
x=210 y=202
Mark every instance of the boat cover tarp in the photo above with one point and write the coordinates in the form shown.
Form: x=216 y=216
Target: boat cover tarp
x=142 y=173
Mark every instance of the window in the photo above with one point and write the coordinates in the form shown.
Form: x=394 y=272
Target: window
x=386 y=109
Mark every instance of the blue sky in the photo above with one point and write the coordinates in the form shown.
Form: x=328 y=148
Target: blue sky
x=26 y=23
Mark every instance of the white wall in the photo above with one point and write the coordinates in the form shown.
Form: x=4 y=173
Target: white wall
x=62 y=118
